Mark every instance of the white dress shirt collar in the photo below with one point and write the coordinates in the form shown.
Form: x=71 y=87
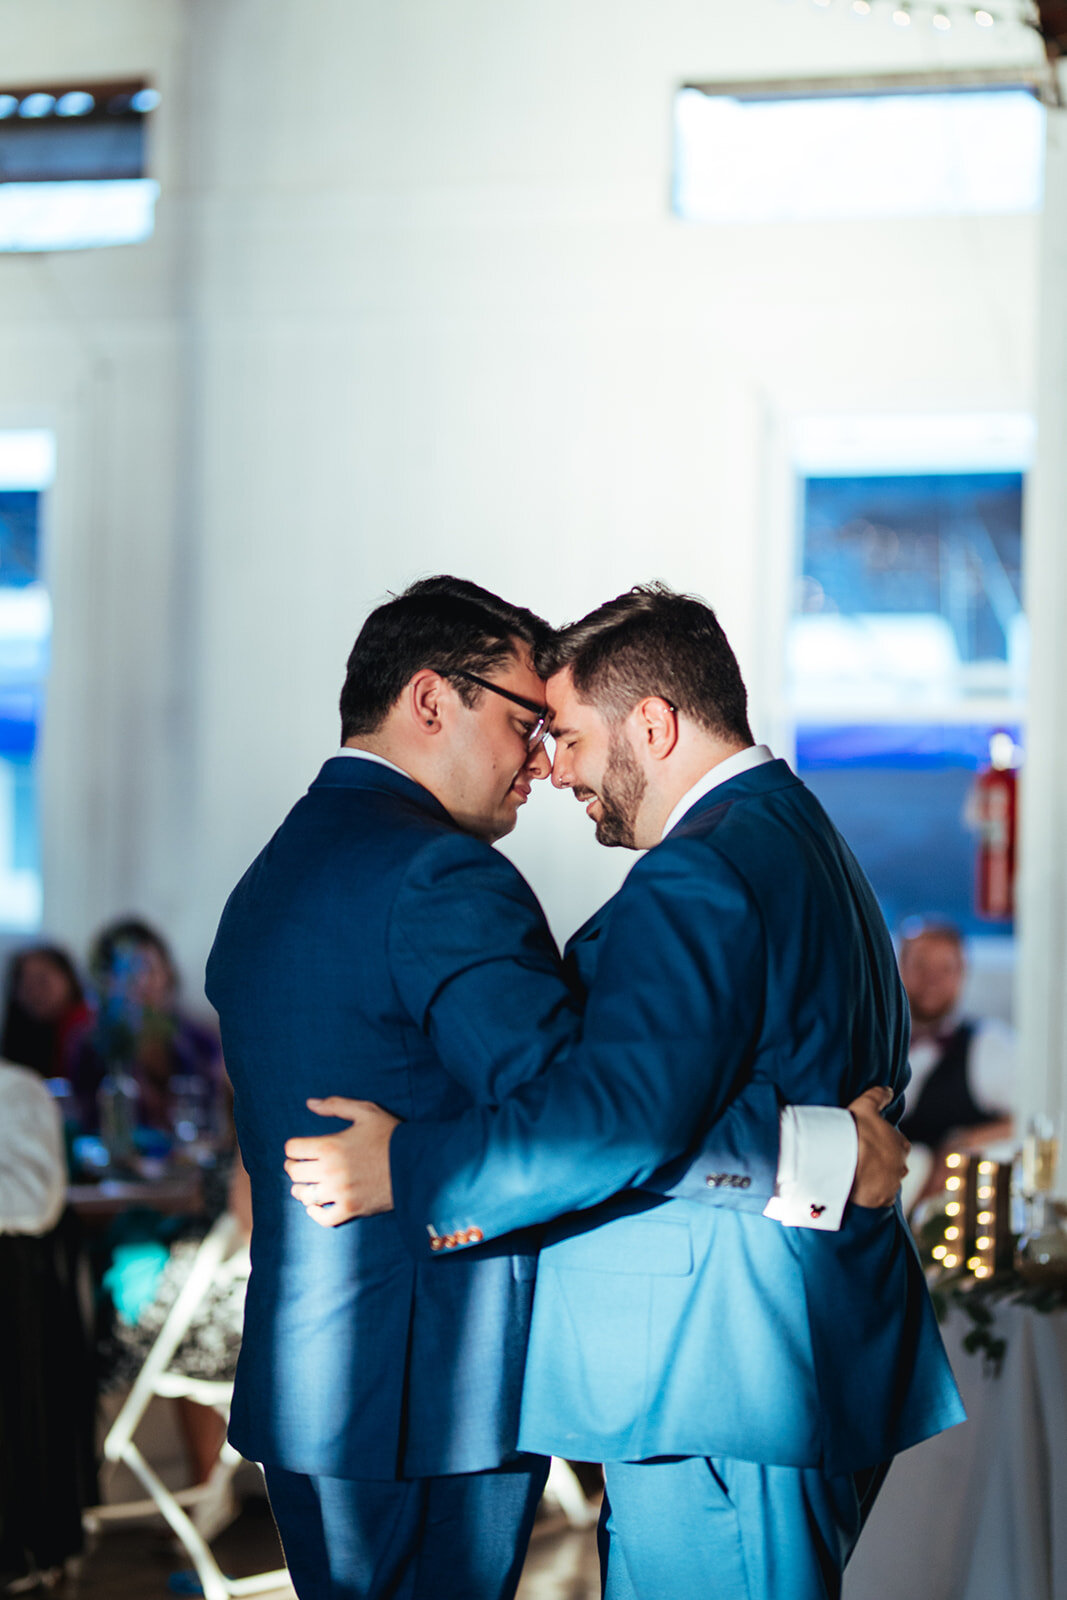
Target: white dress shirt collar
x=369 y=755
x=744 y=761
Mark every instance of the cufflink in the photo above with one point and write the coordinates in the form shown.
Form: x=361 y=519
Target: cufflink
x=817 y=1211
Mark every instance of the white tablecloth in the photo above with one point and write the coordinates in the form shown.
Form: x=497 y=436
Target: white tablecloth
x=980 y=1512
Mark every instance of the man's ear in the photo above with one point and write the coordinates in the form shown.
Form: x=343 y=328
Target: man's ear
x=657 y=726
x=424 y=695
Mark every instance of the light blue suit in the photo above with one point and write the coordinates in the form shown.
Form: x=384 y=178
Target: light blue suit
x=376 y=951
x=746 y=948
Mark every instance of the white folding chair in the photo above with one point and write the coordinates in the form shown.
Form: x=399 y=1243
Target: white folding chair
x=565 y=1490
x=218 y=1256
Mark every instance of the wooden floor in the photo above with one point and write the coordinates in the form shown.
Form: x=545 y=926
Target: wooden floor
x=137 y=1561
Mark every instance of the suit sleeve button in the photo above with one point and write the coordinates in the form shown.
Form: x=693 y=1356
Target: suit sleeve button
x=475 y=1235
x=436 y=1242
x=450 y=1241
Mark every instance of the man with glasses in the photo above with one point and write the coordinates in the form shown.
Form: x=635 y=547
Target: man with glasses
x=379 y=948
x=744 y=1384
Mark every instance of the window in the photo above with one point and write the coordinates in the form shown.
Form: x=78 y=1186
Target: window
x=72 y=165
x=907 y=644
x=779 y=153
x=26 y=470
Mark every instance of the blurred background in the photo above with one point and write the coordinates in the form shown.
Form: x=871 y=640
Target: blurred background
x=299 y=302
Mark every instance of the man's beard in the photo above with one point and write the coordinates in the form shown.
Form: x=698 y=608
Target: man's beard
x=621 y=793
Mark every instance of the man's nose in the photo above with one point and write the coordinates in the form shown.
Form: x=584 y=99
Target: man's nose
x=560 y=776
x=538 y=764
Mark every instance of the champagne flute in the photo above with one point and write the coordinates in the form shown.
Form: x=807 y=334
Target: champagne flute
x=1040 y=1161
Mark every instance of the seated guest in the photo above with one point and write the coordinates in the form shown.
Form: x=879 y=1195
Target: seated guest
x=33 y=1172
x=44 y=1007
x=47 y=1398
x=962 y=1069
x=139 y=1030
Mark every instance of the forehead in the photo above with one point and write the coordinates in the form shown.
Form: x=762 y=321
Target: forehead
x=567 y=710
x=930 y=947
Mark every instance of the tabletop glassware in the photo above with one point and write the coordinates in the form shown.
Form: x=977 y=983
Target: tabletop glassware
x=1042 y=1247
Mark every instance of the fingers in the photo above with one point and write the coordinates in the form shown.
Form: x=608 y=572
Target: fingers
x=877 y=1097
x=328 y=1216
x=336 y=1105
x=311 y=1149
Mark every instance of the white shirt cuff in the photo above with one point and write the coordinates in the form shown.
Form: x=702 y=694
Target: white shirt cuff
x=819 y=1148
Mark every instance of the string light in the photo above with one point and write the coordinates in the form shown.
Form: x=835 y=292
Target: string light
x=953 y=1208
x=941 y=14
x=954 y=1183
x=951 y=1261
x=953 y=1160
x=38 y=104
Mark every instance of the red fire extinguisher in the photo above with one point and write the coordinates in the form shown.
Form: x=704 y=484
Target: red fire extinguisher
x=992 y=810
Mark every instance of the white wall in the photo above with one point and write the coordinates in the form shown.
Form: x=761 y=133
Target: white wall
x=417 y=303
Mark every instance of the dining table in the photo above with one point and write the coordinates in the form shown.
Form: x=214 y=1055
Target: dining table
x=980 y=1512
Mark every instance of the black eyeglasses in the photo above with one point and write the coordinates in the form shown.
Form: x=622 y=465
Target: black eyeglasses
x=536 y=735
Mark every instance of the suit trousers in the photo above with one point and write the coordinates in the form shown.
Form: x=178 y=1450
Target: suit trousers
x=697 y=1528
x=460 y=1537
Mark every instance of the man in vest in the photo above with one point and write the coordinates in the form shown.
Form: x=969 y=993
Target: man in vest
x=962 y=1069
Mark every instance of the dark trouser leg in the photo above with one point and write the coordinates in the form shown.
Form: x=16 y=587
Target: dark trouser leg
x=691 y=1528
x=476 y=1530
x=421 y=1539
x=346 y=1538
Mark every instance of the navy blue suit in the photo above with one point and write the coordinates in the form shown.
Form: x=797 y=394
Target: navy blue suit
x=745 y=948
x=374 y=950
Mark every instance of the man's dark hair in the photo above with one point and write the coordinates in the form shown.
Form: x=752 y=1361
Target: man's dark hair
x=444 y=623
x=115 y=941
x=651 y=641
x=916 y=928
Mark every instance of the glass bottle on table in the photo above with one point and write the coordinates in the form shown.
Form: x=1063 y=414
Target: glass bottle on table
x=116 y=1101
